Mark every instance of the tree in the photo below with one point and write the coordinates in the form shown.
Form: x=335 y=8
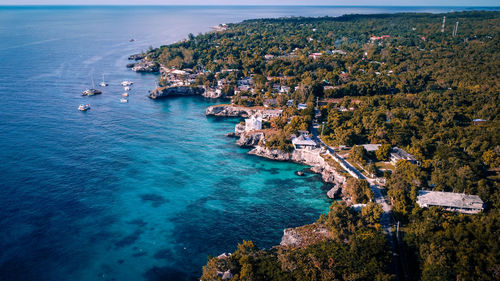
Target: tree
x=358 y=190
x=383 y=152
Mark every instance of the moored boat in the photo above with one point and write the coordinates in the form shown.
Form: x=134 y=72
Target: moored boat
x=123 y=100
x=127 y=88
x=84 y=107
x=125 y=94
x=91 y=92
x=103 y=84
x=127 y=83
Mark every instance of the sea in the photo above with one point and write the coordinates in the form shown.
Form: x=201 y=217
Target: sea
x=144 y=190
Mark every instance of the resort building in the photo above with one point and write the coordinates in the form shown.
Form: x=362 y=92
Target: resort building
x=399 y=154
x=253 y=123
x=303 y=142
x=450 y=201
x=301 y=106
x=269 y=113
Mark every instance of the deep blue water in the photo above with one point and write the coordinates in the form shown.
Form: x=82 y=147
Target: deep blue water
x=138 y=191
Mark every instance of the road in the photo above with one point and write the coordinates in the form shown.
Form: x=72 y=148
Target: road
x=385 y=220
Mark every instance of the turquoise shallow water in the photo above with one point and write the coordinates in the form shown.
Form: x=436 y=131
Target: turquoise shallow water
x=138 y=191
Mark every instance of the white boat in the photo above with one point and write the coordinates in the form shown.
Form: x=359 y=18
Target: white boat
x=127 y=88
x=103 y=84
x=123 y=100
x=127 y=83
x=84 y=107
x=125 y=94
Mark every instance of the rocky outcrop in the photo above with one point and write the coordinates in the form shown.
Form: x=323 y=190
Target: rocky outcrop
x=164 y=92
x=304 y=236
x=250 y=139
x=146 y=66
x=312 y=158
x=230 y=111
x=273 y=154
x=239 y=129
x=334 y=192
x=137 y=57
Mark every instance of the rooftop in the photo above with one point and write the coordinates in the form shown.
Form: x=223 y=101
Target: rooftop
x=449 y=200
x=302 y=140
x=401 y=154
x=371 y=147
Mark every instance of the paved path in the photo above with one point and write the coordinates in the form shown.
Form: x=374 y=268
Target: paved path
x=385 y=219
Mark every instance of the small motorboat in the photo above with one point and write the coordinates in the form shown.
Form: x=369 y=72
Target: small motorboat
x=91 y=92
x=132 y=40
x=123 y=100
x=127 y=88
x=84 y=107
x=127 y=83
x=125 y=94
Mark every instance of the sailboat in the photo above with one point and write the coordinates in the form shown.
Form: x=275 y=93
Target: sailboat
x=93 y=91
x=103 y=84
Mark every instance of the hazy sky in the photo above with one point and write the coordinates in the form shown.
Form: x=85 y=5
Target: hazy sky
x=258 y=2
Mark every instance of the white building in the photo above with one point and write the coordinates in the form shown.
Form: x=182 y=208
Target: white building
x=253 y=123
x=303 y=142
x=269 y=113
x=301 y=106
x=450 y=201
x=371 y=147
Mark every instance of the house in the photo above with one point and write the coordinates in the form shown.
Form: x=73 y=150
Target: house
x=289 y=103
x=253 y=123
x=371 y=147
x=315 y=55
x=375 y=38
x=221 y=82
x=284 y=90
x=478 y=121
x=302 y=106
x=399 y=154
x=270 y=102
x=269 y=113
x=450 y=201
x=303 y=142
x=245 y=82
x=340 y=52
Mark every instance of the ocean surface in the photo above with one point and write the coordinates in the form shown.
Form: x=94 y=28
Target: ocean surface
x=144 y=190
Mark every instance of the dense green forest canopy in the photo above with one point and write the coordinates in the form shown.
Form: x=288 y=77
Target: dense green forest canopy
x=435 y=94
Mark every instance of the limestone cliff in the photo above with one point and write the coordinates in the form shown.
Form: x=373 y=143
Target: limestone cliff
x=312 y=158
x=230 y=111
x=250 y=139
x=163 y=92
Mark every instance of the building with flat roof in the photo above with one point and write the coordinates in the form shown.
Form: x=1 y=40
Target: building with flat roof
x=399 y=154
x=269 y=113
x=450 y=201
x=371 y=147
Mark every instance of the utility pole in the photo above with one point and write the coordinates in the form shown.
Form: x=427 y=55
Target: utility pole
x=442 y=26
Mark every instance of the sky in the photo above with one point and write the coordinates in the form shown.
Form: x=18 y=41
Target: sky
x=259 y=2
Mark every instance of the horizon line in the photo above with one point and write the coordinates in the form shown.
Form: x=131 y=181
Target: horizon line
x=231 y=5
